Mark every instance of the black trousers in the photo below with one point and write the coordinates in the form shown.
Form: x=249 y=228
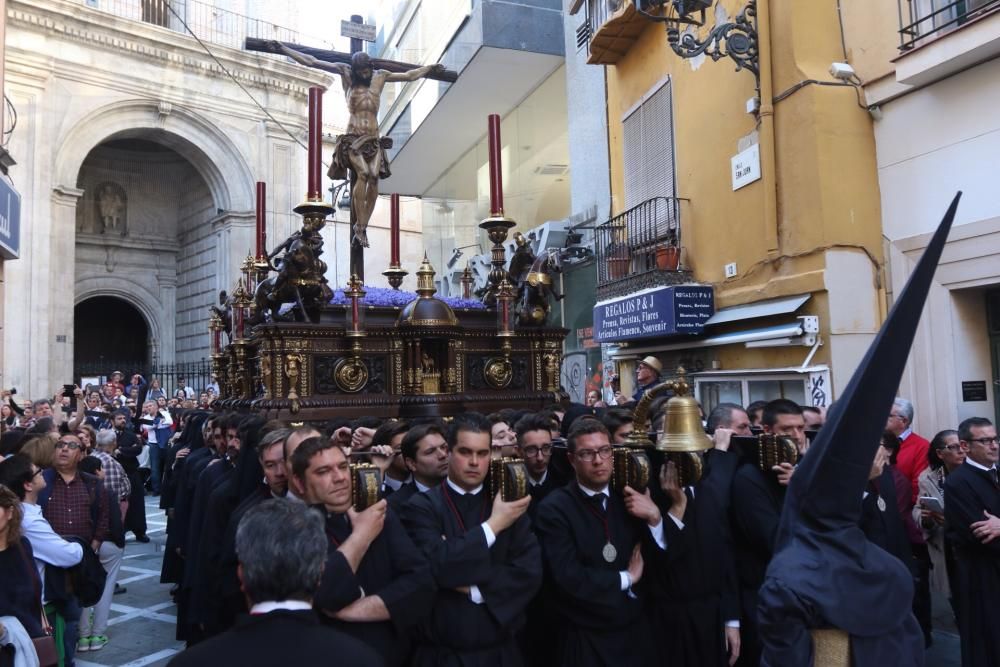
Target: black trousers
x=922 y=590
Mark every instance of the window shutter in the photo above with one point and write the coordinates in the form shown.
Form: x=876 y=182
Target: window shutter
x=648 y=153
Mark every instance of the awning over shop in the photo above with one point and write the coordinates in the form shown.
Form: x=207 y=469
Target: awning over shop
x=781 y=331
x=749 y=311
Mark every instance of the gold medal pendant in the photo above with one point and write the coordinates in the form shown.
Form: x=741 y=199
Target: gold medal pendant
x=881 y=504
x=609 y=552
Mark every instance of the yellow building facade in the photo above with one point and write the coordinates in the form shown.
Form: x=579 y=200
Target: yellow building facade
x=805 y=237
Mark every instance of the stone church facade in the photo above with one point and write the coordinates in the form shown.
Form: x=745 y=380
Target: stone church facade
x=137 y=157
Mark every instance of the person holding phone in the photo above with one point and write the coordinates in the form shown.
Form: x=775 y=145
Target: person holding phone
x=943 y=456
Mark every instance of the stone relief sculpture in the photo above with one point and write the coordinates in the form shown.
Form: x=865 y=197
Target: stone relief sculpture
x=111 y=208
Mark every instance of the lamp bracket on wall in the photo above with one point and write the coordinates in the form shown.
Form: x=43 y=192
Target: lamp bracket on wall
x=736 y=39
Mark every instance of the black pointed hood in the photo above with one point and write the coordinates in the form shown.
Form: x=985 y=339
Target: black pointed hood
x=820 y=552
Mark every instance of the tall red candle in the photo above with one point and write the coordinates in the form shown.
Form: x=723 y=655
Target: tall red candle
x=394 y=230
x=315 y=143
x=496 y=175
x=261 y=220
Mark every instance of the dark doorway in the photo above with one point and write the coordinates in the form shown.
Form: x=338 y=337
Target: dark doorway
x=108 y=334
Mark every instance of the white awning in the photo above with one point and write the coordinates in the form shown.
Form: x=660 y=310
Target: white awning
x=791 y=330
x=749 y=311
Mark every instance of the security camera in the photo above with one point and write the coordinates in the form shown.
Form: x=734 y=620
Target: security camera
x=842 y=71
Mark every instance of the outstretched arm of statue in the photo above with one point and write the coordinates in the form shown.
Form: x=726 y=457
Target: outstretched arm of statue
x=414 y=74
x=310 y=61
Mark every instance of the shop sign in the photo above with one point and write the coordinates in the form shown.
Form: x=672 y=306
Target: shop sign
x=667 y=311
x=10 y=221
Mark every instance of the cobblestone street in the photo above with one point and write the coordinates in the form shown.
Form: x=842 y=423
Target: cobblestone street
x=142 y=623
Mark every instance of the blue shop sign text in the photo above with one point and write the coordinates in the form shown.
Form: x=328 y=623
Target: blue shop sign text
x=10 y=221
x=679 y=309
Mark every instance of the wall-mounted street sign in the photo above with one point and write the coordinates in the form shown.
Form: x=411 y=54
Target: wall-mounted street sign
x=665 y=311
x=746 y=167
x=362 y=31
x=10 y=221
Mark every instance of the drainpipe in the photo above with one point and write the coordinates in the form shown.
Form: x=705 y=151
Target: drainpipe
x=768 y=177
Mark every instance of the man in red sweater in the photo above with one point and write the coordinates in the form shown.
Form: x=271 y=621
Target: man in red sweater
x=912 y=457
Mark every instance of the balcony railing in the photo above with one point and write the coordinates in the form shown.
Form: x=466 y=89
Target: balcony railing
x=922 y=19
x=640 y=243
x=208 y=22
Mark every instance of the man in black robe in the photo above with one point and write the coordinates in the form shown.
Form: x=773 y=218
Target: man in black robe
x=692 y=601
x=391 y=434
x=972 y=526
x=825 y=574
x=376 y=585
x=534 y=445
x=129 y=449
x=282 y=548
x=485 y=559
x=424 y=452
x=757 y=497
x=592 y=544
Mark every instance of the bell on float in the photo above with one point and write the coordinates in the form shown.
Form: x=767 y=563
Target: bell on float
x=684 y=438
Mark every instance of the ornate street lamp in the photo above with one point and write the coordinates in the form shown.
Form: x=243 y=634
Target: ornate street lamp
x=735 y=39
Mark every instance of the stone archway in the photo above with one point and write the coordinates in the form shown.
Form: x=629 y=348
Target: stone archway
x=225 y=223
x=109 y=331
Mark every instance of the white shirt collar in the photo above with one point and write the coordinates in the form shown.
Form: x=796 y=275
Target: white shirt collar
x=905 y=434
x=545 y=476
x=460 y=491
x=30 y=508
x=591 y=492
x=420 y=487
x=393 y=484
x=978 y=465
x=290 y=605
x=293 y=497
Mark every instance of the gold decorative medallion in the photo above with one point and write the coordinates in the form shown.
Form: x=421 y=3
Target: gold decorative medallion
x=498 y=372
x=351 y=375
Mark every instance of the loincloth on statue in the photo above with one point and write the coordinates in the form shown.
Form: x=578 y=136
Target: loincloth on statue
x=368 y=147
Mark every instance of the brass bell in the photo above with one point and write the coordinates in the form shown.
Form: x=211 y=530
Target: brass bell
x=684 y=438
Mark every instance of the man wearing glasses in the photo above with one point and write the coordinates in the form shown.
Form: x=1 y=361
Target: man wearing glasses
x=534 y=445
x=972 y=526
x=592 y=543
x=912 y=457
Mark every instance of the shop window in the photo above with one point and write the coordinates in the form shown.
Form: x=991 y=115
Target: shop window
x=711 y=391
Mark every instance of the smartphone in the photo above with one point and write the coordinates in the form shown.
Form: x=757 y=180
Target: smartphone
x=931 y=503
x=68 y=390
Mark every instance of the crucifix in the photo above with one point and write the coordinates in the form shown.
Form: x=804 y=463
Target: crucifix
x=360 y=153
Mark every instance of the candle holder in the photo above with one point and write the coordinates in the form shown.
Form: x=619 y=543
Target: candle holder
x=467 y=281
x=238 y=312
x=395 y=274
x=215 y=327
x=499 y=371
x=249 y=275
x=350 y=373
x=496 y=228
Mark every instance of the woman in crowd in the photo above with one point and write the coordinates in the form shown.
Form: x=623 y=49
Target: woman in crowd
x=943 y=456
x=40 y=448
x=88 y=437
x=20 y=589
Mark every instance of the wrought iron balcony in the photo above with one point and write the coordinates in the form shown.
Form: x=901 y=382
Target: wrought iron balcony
x=639 y=248
x=923 y=19
x=210 y=23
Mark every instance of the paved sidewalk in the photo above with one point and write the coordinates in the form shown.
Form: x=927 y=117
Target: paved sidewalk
x=143 y=619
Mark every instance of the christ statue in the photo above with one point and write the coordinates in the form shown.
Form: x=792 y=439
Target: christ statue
x=360 y=149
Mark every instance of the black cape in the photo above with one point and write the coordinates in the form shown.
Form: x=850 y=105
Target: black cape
x=598 y=623
x=508 y=574
x=968 y=491
x=392 y=568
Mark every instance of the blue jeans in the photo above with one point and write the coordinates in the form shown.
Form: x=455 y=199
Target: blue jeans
x=155 y=465
x=70 y=611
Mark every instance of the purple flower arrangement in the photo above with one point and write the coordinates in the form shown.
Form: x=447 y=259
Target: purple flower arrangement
x=385 y=297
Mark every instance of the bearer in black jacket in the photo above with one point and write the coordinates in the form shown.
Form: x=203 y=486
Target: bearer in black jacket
x=534 y=445
x=376 y=584
x=693 y=600
x=485 y=559
x=592 y=543
x=972 y=520
x=424 y=452
x=281 y=547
